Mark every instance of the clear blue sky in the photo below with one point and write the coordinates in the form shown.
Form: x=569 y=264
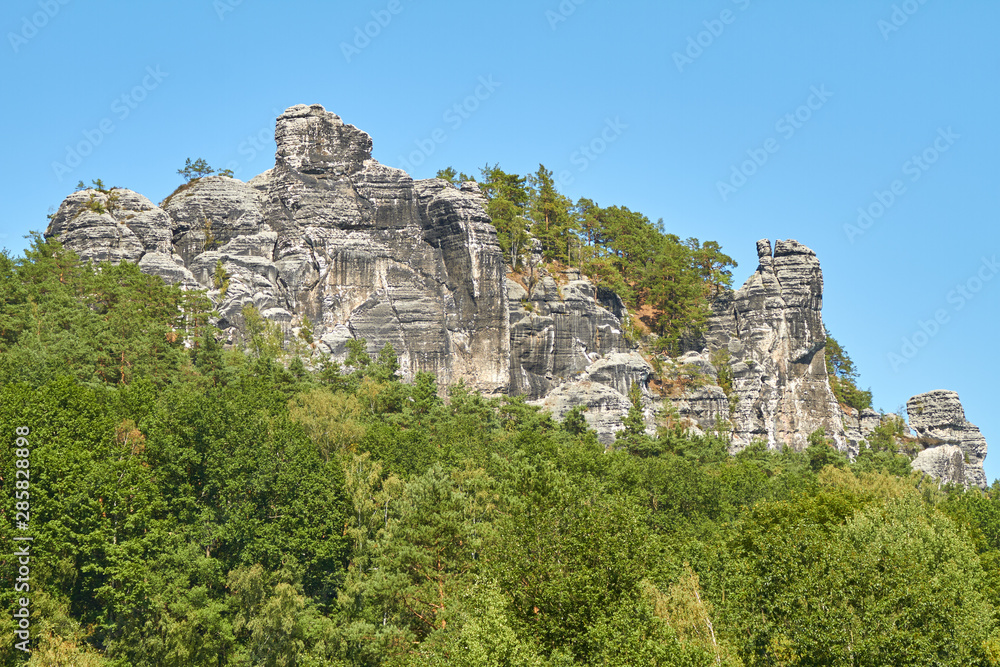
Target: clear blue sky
x=668 y=98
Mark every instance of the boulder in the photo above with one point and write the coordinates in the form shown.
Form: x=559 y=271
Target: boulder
x=954 y=448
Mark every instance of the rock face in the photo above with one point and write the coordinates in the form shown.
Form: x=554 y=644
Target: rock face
x=691 y=383
x=329 y=235
x=772 y=330
x=568 y=349
x=859 y=424
x=560 y=329
x=603 y=390
x=954 y=448
x=332 y=239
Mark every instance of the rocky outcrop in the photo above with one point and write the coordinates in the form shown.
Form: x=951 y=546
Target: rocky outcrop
x=568 y=349
x=331 y=236
x=954 y=449
x=119 y=225
x=859 y=424
x=602 y=389
x=691 y=384
x=332 y=239
x=772 y=330
x=559 y=329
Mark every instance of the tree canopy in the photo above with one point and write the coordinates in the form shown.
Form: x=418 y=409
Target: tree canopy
x=192 y=504
x=669 y=280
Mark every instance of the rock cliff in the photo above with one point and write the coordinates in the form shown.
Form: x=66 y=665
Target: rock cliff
x=954 y=448
x=331 y=236
x=332 y=239
x=560 y=329
x=772 y=331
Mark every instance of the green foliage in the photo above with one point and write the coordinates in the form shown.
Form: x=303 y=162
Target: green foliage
x=198 y=169
x=720 y=359
x=220 y=279
x=824 y=579
x=552 y=222
x=97 y=324
x=649 y=267
x=617 y=248
x=263 y=337
x=506 y=203
x=821 y=452
x=453 y=177
x=95 y=205
x=192 y=505
x=843 y=377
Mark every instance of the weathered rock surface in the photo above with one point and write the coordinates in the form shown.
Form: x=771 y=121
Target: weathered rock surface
x=772 y=329
x=330 y=235
x=945 y=463
x=859 y=425
x=361 y=250
x=691 y=384
x=559 y=330
x=954 y=448
x=602 y=389
x=568 y=348
x=111 y=226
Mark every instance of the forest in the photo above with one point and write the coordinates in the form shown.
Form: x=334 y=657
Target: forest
x=191 y=503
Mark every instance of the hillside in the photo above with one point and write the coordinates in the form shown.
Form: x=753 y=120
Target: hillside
x=336 y=416
x=504 y=285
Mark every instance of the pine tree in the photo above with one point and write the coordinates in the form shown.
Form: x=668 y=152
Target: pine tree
x=552 y=221
x=506 y=201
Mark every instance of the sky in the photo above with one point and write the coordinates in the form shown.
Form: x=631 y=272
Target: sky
x=865 y=129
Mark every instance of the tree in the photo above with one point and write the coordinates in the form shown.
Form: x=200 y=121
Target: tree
x=843 y=377
x=821 y=452
x=506 y=202
x=453 y=177
x=198 y=169
x=550 y=211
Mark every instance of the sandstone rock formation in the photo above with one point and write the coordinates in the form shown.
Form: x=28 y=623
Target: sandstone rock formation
x=772 y=329
x=568 y=349
x=119 y=225
x=954 y=448
x=329 y=235
x=558 y=330
x=603 y=390
x=355 y=249
x=859 y=425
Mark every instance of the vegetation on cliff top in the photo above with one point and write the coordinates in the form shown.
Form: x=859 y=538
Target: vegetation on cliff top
x=669 y=280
